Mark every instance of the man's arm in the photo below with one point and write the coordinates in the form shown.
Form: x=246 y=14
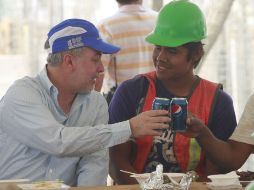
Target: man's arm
x=212 y=140
x=92 y=169
x=211 y=168
x=120 y=159
x=232 y=154
x=25 y=117
x=228 y=155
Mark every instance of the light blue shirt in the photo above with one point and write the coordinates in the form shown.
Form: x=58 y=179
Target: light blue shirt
x=39 y=141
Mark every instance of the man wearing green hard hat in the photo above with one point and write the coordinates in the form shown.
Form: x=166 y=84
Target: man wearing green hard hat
x=178 y=49
x=178 y=23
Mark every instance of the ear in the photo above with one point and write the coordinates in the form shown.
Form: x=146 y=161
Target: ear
x=68 y=61
x=197 y=55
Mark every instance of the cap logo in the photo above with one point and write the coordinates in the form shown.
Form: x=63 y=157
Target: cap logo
x=75 y=42
x=65 y=32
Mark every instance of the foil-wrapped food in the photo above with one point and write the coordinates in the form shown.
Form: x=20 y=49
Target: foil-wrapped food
x=158 y=181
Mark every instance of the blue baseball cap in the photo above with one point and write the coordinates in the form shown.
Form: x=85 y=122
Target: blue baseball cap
x=77 y=33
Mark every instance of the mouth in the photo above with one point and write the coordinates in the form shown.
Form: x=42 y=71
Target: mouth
x=161 y=68
x=98 y=75
x=93 y=80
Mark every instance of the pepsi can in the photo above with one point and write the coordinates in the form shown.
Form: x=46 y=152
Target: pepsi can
x=161 y=104
x=178 y=111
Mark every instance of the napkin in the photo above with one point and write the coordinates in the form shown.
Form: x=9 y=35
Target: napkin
x=221 y=187
x=224 y=181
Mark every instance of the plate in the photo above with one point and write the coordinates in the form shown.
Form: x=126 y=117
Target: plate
x=14 y=180
x=45 y=185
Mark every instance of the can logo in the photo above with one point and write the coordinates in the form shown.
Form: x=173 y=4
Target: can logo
x=160 y=104
x=176 y=109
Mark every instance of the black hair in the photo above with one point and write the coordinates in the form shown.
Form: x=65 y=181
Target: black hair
x=194 y=48
x=126 y=1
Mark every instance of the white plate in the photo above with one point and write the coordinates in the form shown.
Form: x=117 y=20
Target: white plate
x=44 y=186
x=14 y=181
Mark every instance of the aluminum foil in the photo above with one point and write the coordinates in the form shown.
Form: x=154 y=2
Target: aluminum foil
x=156 y=181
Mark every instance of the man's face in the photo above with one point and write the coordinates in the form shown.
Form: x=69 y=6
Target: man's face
x=87 y=66
x=171 y=63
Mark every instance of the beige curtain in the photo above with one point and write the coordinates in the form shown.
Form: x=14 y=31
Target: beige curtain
x=216 y=14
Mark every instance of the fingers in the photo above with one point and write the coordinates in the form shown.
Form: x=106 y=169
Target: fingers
x=189 y=120
x=156 y=116
x=158 y=126
x=154 y=113
x=156 y=129
x=160 y=119
x=149 y=123
x=156 y=132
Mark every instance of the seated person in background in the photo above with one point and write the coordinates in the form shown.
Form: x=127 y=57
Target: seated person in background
x=178 y=49
x=232 y=154
x=54 y=126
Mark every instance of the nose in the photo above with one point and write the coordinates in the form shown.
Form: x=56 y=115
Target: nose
x=161 y=56
x=100 y=67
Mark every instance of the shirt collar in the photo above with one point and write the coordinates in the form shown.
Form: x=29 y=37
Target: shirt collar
x=52 y=90
x=43 y=75
x=132 y=8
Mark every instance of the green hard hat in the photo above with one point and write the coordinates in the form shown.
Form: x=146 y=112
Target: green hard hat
x=250 y=186
x=179 y=22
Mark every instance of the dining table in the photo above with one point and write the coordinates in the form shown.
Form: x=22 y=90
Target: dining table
x=193 y=186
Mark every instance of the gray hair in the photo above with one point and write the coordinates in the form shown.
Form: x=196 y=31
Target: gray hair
x=56 y=58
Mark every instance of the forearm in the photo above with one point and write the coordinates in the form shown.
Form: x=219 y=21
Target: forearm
x=224 y=154
x=121 y=157
x=122 y=178
x=92 y=169
x=56 y=139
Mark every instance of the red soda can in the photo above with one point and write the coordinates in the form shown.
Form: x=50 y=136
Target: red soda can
x=178 y=112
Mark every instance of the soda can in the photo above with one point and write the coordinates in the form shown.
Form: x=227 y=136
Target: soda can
x=161 y=103
x=178 y=111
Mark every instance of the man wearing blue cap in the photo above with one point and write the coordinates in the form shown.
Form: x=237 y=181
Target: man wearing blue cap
x=54 y=126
